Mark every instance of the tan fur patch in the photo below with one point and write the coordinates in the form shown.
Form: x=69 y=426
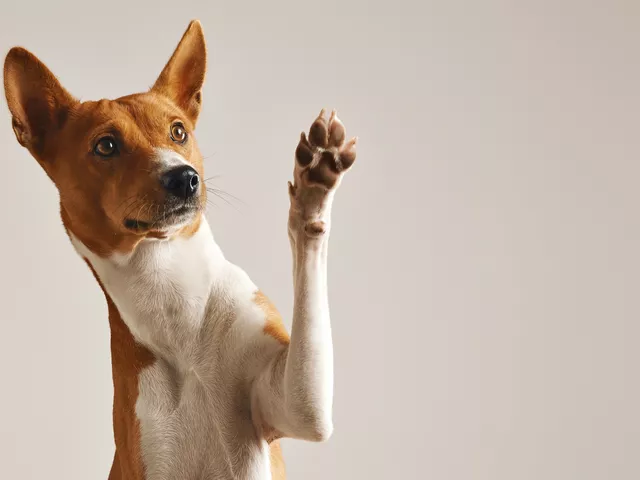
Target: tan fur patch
x=278 y=470
x=128 y=359
x=273 y=321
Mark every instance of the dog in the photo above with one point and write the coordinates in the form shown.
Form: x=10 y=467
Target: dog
x=206 y=378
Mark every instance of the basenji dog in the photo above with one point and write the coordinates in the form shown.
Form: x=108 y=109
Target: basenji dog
x=206 y=378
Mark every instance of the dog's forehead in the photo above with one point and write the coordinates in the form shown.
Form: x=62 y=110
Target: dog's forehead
x=147 y=112
x=148 y=107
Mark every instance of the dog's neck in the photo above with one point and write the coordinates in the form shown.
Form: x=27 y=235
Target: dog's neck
x=165 y=288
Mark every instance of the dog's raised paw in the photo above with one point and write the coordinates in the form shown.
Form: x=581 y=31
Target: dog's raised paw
x=324 y=156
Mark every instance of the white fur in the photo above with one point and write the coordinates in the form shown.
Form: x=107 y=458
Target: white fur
x=168 y=158
x=218 y=376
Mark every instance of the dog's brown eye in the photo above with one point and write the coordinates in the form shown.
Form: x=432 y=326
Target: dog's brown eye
x=106 y=147
x=178 y=133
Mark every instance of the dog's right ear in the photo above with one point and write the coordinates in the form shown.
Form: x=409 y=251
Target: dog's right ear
x=39 y=105
x=182 y=78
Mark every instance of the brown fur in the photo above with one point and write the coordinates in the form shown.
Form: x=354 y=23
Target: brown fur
x=273 y=321
x=278 y=470
x=275 y=328
x=128 y=359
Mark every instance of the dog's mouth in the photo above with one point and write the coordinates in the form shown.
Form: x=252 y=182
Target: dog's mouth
x=167 y=218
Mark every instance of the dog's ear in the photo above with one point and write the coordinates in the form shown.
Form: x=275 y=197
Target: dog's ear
x=183 y=76
x=39 y=105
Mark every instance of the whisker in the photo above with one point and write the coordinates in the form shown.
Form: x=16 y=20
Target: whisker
x=210 y=203
x=133 y=206
x=212 y=177
x=226 y=197
x=226 y=201
x=217 y=191
x=140 y=210
x=150 y=206
x=156 y=216
x=130 y=208
x=125 y=200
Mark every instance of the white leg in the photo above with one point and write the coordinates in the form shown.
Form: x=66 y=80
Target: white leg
x=295 y=393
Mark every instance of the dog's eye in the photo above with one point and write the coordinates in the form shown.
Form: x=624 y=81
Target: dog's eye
x=178 y=133
x=106 y=147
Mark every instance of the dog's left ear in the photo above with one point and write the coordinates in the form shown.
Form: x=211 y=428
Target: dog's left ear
x=39 y=105
x=183 y=76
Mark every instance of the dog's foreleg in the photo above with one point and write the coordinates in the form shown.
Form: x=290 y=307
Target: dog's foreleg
x=294 y=395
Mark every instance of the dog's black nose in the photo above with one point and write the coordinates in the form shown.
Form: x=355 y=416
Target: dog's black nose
x=182 y=181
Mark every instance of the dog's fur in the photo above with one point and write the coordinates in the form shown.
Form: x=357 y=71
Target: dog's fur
x=206 y=379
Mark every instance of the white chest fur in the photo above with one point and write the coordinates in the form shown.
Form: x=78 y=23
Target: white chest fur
x=162 y=288
x=194 y=310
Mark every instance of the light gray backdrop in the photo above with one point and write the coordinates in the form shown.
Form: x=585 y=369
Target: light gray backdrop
x=484 y=257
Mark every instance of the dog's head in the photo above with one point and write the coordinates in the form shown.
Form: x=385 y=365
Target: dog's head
x=126 y=169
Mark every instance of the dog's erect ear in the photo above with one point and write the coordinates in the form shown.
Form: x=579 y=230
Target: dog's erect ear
x=39 y=105
x=183 y=76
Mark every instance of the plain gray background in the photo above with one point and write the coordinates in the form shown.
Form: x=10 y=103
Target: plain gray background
x=484 y=258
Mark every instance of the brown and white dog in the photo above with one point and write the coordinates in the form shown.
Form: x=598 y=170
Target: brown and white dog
x=206 y=379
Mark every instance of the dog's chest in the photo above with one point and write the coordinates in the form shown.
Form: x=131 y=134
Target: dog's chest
x=195 y=311
x=162 y=294
x=190 y=431
x=163 y=289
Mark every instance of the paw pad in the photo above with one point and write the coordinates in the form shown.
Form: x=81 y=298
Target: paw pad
x=315 y=229
x=325 y=155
